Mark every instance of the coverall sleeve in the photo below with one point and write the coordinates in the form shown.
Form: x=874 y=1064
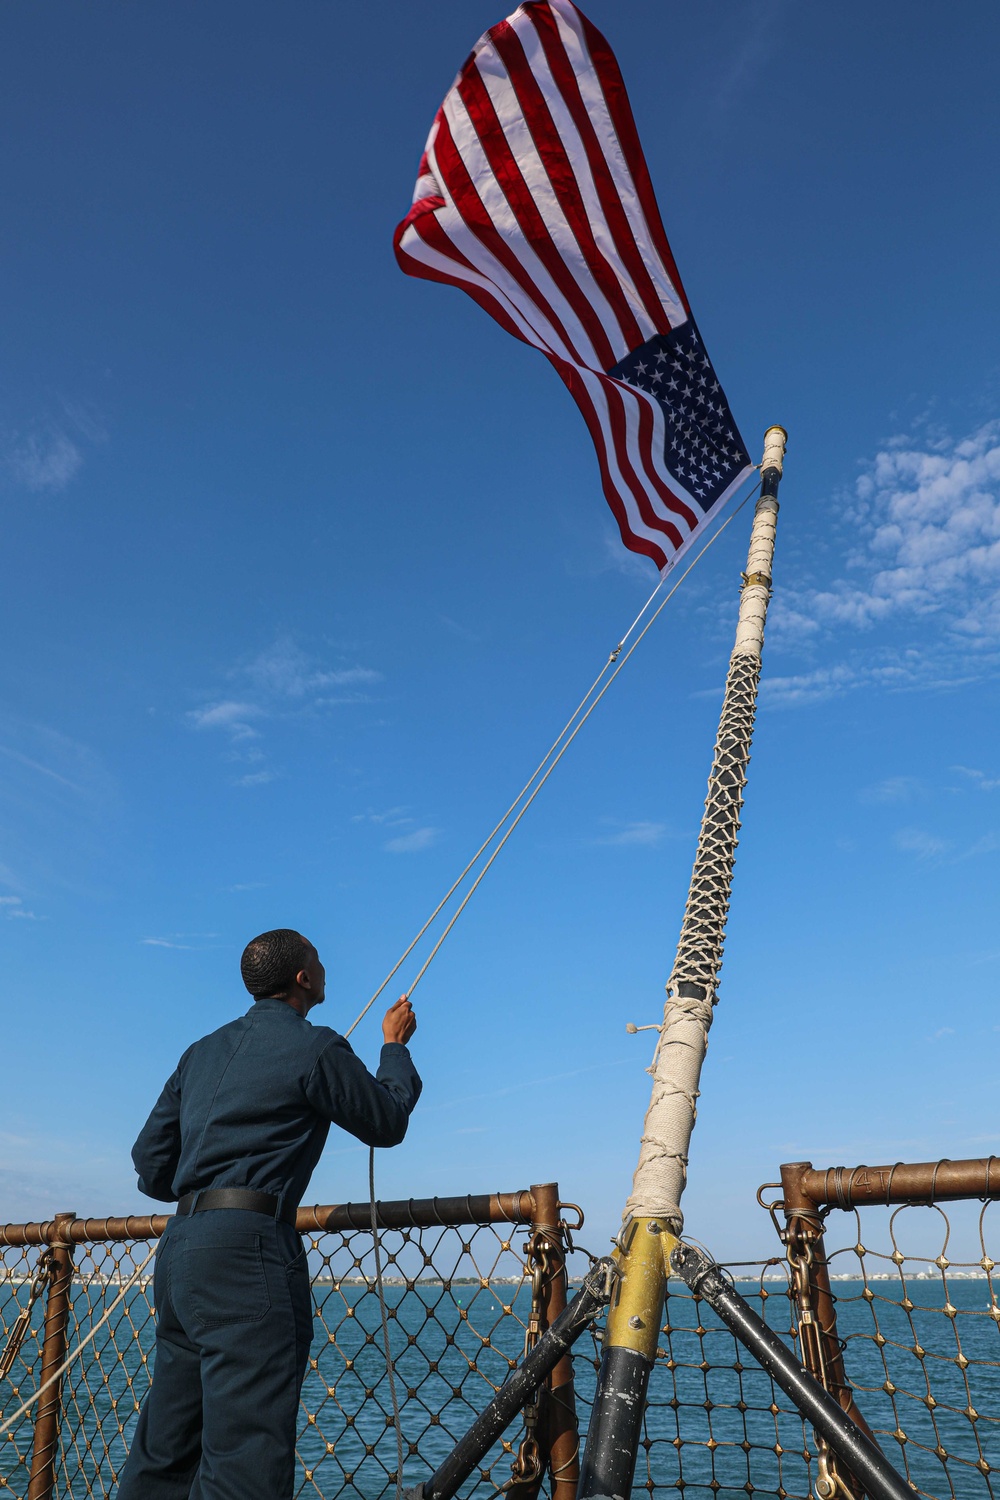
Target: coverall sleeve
x=375 y=1110
x=157 y=1151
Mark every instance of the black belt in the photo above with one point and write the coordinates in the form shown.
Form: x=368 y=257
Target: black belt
x=246 y=1198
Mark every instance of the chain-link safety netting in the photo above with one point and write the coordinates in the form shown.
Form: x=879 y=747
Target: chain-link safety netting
x=459 y=1301
x=22 y=1306
x=918 y=1318
x=715 y=1423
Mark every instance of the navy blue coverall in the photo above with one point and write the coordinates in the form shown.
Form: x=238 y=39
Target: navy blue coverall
x=249 y=1107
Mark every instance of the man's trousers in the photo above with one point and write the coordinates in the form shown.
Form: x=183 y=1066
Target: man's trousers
x=234 y=1324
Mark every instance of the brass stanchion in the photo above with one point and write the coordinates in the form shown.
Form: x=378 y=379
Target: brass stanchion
x=45 y=1445
x=558 y=1427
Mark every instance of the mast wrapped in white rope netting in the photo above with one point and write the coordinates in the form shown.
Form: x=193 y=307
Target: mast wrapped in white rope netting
x=691 y=990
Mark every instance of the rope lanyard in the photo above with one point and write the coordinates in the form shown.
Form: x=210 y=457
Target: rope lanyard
x=543 y=771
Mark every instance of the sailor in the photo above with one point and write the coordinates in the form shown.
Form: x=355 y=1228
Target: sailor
x=233 y=1139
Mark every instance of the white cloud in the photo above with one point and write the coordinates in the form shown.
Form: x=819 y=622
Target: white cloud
x=924 y=564
x=279 y=683
x=393 y=817
x=14 y=909
x=47 y=454
x=979 y=779
x=43 y=461
x=201 y=940
x=808 y=687
x=284 y=670
x=917 y=841
x=645 y=833
x=229 y=715
x=893 y=789
x=412 y=843
x=58 y=806
x=462 y=631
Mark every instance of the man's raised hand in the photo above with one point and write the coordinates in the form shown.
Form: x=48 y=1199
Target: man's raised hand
x=400 y=1023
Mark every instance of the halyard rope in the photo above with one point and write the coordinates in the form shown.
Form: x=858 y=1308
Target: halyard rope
x=554 y=755
x=80 y=1346
x=612 y=658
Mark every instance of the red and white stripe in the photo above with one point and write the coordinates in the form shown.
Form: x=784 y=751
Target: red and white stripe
x=534 y=197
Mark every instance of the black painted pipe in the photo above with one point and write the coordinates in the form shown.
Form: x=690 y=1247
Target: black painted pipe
x=868 y=1464
x=520 y=1385
x=609 y=1455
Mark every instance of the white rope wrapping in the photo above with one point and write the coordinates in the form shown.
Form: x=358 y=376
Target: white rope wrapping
x=661 y=1173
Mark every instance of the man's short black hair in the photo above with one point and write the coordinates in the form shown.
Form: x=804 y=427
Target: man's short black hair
x=270 y=962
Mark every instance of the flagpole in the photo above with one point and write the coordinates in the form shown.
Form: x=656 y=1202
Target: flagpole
x=653 y=1217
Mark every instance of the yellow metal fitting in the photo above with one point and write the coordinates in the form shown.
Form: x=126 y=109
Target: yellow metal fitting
x=636 y=1313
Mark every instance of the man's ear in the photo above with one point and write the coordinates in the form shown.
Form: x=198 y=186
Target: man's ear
x=302 y=980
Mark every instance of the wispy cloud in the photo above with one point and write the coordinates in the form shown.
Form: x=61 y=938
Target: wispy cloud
x=13 y=907
x=462 y=631
x=412 y=843
x=639 y=833
x=58 y=806
x=284 y=670
x=43 y=461
x=196 y=941
x=256 y=778
x=922 y=582
x=755 y=40
x=987 y=843
x=921 y=843
x=893 y=789
x=392 y=817
x=46 y=456
x=230 y=715
x=38 y=1173
x=979 y=779
x=281 y=682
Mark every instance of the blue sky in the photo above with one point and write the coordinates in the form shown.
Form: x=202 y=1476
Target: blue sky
x=307 y=562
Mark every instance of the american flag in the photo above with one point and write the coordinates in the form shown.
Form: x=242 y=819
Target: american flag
x=534 y=197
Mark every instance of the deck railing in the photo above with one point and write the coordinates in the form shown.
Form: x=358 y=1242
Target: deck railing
x=466 y=1281
x=900 y=1323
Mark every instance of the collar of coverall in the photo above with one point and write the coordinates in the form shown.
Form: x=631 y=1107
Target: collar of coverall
x=272 y=1002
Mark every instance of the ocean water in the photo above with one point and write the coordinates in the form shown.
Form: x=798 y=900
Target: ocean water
x=709 y=1423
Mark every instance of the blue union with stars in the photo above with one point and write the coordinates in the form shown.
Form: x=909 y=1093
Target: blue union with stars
x=703 y=447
